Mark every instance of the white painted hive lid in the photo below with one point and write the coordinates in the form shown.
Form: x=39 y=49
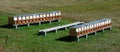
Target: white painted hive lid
x=15 y=18
x=41 y=15
x=23 y=17
x=31 y=17
x=19 y=18
x=77 y=30
x=34 y=16
x=44 y=15
x=47 y=15
x=27 y=17
x=51 y=14
x=37 y=16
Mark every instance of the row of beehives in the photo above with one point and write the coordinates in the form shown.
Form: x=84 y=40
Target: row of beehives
x=90 y=27
x=31 y=18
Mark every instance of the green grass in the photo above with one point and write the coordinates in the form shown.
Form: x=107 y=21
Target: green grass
x=25 y=39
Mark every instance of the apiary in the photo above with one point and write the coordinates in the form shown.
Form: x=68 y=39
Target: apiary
x=34 y=18
x=90 y=27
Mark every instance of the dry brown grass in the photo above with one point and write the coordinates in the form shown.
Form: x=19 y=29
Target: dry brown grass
x=1 y=48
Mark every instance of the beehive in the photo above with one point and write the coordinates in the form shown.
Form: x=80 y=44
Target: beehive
x=87 y=28
x=34 y=18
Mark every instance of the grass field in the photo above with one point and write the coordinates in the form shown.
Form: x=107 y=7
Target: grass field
x=25 y=39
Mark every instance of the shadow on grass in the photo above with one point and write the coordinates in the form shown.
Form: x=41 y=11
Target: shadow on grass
x=73 y=38
x=68 y=38
x=1 y=48
x=40 y=34
x=6 y=26
x=32 y=24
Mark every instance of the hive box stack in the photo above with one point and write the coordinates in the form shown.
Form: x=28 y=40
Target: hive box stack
x=91 y=27
x=34 y=18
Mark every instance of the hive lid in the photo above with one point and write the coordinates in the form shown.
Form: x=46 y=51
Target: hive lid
x=38 y=13
x=90 y=23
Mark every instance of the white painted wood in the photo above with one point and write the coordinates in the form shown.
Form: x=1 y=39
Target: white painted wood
x=47 y=15
x=86 y=35
x=15 y=18
x=102 y=23
x=109 y=21
x=28 y=24
x=27 y=17
x=59 y=27
x=77 y=30
x=106 y=21
x=93 y=25
x=78 y=39
x=59 y=13
x=37 y=16
x=16 y=26
x=51 y=14
x=31 y=17
x=90 y=26
x=97 y=24
x=85 y=27
x=82 y=28
x=19 y=18
x=44 y=15
x=23 y=18
x=41 y=16
x=34 y=16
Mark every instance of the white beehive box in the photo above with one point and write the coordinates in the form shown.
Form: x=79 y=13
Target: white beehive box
x=20 y=18
x=44 y=15
x=41 y=16
x=27 y=17
x=48 y=15
x=15 y=18
x=80 y=29
x=103 y=23
x=59 y=13
x=77 y=30
x=31 y=17
x=37 y=16
x=87 y=26
x=51 y=14
x=23 y=18
x=92 y=25
x=99 y=24
x=34 y=16
x=109 y=21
